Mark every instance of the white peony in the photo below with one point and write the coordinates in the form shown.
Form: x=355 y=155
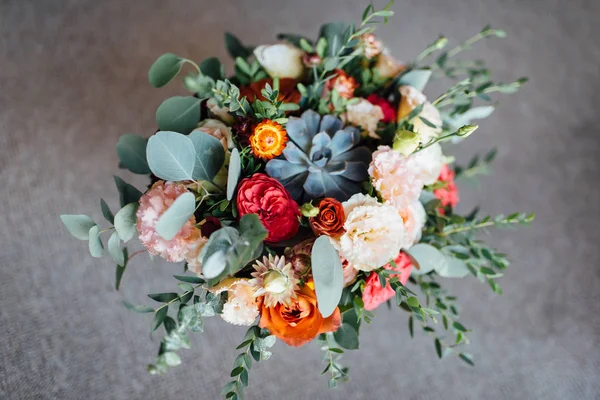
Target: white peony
x=374 y=234
x=414 y=217
x=241 y=307
x=281 y=60
x=366 y=115
x=427 y=164
x=397 y=180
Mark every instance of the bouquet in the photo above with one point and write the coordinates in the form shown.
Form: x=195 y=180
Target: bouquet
x=305 y=190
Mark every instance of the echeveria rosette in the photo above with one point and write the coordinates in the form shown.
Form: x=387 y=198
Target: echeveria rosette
x=321 y=159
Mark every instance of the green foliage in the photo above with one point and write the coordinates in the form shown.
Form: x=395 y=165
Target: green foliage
x=171 y=156
x=175 y=217
x=228 y=250
x=346 y=336
x=257 y=343
x=338 y=373
x=95 y=244
x=127 y=193
x=115 y=250
x=106 y=212
x=235 y=48
x=210 y=156
x=327 y=274
x=164 y=69
x=416 y=78
x=233 y=174
x=131 y=150
x=247 y=73
x=78 y=225
x=212 y=68
x=125 y=221
x=228 y=95
x=178 y=114
x=271 y=108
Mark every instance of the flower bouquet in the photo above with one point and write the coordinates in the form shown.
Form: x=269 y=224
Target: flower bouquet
x=305 y=190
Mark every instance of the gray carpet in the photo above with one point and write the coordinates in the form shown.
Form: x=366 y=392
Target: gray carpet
x=73 y=78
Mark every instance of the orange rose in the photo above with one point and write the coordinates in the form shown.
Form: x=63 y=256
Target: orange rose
x=330 y=219
x=302 y=321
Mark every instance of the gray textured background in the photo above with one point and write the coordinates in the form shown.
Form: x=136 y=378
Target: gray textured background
x=73 y=78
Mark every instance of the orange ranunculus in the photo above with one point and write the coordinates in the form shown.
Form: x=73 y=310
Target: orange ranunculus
x=302 y=321
x=330 y=219
x=268 y=140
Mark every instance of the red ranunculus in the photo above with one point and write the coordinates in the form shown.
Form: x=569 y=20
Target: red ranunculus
x=374 y=294
x=276 y=209
x=389 y=113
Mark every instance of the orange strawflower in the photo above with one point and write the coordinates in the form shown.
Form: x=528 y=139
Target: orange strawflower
x=302 y=321
x=268 y=140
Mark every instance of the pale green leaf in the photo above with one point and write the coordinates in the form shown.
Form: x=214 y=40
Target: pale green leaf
x=327 y=274
x=178 y=114
x=416 y=78
x=172 y=220
x=427 y=257
x=131 y=150
x=171 y=156
x=115 y=250
x=164 y=69
x=233 y=175
x=78 y=225
x=95 y=244
x=125 y=221
x=210 y=155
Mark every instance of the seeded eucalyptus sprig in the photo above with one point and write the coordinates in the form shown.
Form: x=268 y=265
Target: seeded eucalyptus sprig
x=338 y=372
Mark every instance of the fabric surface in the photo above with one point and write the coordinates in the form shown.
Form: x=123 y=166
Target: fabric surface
x=73 y=78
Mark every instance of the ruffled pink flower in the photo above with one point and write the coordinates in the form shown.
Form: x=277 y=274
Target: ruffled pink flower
x=374 y=294
x=394 y=177
x=153 y=204
x=349 y=271
x=448 y=195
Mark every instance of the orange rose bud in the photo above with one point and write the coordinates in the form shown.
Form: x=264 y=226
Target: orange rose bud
x=301 y=322
x=330 y=219
x=268 y=140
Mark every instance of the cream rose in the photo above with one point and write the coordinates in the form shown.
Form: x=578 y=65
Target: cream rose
x=366 y=115
x=412 y=98
x=281 y=60
x=218 y=130
x=387 y=66
x=374 y=234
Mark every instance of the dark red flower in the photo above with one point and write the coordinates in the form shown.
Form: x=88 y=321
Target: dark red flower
x=389 y=113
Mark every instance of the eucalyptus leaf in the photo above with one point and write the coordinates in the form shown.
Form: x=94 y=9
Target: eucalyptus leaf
x=106 y=212
x=131 y=150
x=125 y=221
x=127 y=193
x=235 y=48
x=427 y=257
x=214 y=265
x=171 y=156
x=213 y=68
x=346 y=336
x=328 y=275
x=178 y=114
x=164 y=69
x=453 y=268
x=175 y=217
x=210 y=155
x=233 y=174
x=456 y=121
x=115 y=250
x=416 y=78
x=95 y=244
x=78 y=225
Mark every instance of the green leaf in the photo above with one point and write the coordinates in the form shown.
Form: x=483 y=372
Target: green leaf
x=427 y=257
x=453 y=268
x=172 y=358
x=159 y=318
x=459 y=327
x=233 y=174
x=165 y=68
x=175 y=217
x=127 y=193
x=171 y=156
x=131 y=150
x=327 y=274
x=95 y=244
x=467 y=358
x=235 y=48
x=138 y=309
x=189 y=279
x=347 y=337
x=438 y=347
x=178 y=114
x=455 y=122
x=119 y=271
x=212 y=67
x=416 y=78
x=115 y=250
x=412 y=301
x=106 y=212
x=78 y=225
x=125 y=221
x=210 y=155
x=163 y=297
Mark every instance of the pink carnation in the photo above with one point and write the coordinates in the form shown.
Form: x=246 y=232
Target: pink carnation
x=394 y=177
x=374 y=294
x=152 y=205
x=448 y=195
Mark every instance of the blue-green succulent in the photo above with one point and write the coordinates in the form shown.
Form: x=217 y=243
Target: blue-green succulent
x=321 y=158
